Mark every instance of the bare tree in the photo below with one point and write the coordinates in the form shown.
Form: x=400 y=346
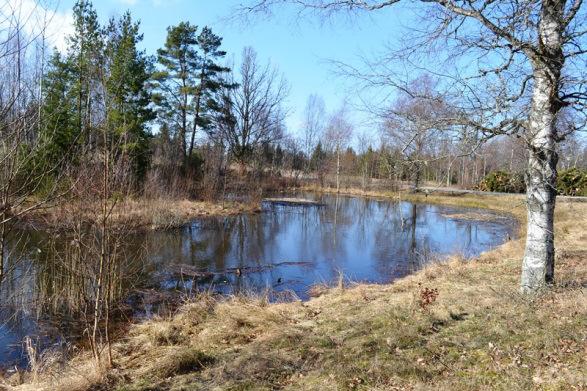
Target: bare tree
x=313 y=125
x=253 y=112
x=532 y=65
x=366 y=159
x=338 y=133
x=22 y=173
x=570 y=150
x=415 y=123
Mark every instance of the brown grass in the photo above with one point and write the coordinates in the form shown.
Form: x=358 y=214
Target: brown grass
x=459 y=325
x=140 y=213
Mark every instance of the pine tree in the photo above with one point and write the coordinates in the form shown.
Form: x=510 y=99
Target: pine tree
x=211 y=80
x=85 y=58
x=128 y=98
x=176 y=81
x=59 y=132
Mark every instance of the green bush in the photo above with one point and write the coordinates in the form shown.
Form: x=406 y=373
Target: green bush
x=503 y=182
x=572 y=182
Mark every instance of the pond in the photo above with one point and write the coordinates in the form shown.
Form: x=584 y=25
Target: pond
x=282 y=251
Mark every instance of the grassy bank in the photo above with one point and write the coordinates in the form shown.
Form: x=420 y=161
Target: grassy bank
x=512 y=204
x=457 y=325
x=137 y=214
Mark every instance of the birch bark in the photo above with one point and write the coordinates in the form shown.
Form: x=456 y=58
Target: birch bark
x=538 y=264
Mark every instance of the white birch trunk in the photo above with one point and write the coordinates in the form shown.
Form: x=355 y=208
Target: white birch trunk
x=538 y=264
x=338 y=169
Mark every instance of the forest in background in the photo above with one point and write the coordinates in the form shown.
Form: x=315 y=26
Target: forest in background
x=181 y=123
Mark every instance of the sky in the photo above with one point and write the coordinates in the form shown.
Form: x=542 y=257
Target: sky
x=301 y=48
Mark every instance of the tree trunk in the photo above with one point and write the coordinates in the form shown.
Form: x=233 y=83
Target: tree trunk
x=538 y=265
x=417 y=169
x=448 y=178
x=2 y=247
x=197 y=111
x=195 y=126
x=337 y=169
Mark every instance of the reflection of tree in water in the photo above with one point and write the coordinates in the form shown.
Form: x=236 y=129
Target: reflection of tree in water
x=65 y=275
x=365 y=212
x=470 y=230
x=392 y=239
x=401 y=246
x=217 y=244
x=375 y=240
x=335 y=228
x=49 y=289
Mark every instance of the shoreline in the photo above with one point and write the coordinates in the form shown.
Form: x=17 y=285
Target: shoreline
x=454 y=325
x=136 y=215
x=487 y=202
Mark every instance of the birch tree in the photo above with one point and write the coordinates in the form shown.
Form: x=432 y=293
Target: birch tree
x=415 y=122
x=517 y=66
x=313 y=124
x=337 y=135
x=22 y=174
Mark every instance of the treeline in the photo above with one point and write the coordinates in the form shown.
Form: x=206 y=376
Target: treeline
x=420 y=140
x=185 y=122
x=172 y=122
x=498 y=165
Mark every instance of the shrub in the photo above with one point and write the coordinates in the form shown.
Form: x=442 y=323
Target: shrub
x=572 y=182
x=503 y=182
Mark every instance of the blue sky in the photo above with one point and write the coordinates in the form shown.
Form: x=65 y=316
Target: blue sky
x=300 y=48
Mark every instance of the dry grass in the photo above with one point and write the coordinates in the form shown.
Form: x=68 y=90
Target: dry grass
x=476 y=333
x=140 y=213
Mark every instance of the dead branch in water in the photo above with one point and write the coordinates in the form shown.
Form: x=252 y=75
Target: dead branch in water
x=194 y=272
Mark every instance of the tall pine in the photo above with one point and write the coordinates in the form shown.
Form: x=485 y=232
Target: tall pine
x=211 y=79
x=176 y=81
x=85 y=56
x=127 y=96
x=187 y=82
x=59 y=131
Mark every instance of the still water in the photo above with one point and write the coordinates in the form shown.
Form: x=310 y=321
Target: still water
x=284 y=250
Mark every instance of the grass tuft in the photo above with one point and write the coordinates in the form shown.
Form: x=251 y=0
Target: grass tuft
x=181 y=361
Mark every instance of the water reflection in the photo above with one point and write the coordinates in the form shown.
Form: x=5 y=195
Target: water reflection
x=366 y=239
x=284 y=248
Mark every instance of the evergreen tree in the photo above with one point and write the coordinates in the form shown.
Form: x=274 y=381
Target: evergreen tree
x=85 y=58
x=59 y=131
x=100 y=83
x=127 y=93
x=211 y=80
x=176 y=81
x=67 y=112
x=318 y=156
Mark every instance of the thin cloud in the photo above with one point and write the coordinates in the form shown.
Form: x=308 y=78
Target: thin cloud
x=37 y=19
